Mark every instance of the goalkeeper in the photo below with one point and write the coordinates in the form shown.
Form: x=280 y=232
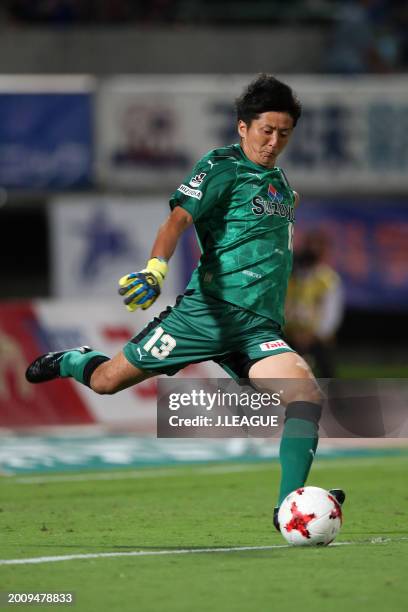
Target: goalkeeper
x=243 y=210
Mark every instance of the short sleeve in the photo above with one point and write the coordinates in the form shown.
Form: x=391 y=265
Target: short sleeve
x=208 y=183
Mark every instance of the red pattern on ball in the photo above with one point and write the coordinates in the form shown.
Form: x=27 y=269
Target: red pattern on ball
x=299 y=521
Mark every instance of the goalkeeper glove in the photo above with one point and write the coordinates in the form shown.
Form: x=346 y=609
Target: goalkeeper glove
x=141 y=289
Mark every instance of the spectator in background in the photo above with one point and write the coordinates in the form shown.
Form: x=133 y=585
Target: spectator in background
x=365 y=38
x=314 y=305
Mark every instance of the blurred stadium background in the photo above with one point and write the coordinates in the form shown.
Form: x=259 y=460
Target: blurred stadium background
x=104 y=106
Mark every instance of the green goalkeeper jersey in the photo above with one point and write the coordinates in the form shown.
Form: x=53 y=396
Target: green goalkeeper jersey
x=243 y=215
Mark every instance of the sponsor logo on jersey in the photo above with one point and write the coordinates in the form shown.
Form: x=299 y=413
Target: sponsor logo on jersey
x=192 y=193
x=274 y=195
x=251 y=273
x=197 y=179
x=273 y=345
x=260 y=206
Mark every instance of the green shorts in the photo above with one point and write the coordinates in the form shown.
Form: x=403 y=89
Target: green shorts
x=202 y=328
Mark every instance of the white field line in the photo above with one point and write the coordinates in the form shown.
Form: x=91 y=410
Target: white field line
x=136 y=553
x=185 y=551
x=142 y=473
x=152 y=472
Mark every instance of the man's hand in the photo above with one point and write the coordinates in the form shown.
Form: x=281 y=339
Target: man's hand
x=141 y=289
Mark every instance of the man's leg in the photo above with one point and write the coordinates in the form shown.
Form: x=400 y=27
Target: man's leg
x=91 y=368
x=117 y=374
x=303 y=400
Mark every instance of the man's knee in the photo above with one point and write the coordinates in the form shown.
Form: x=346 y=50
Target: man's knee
x=305 y=391
x=292 y=390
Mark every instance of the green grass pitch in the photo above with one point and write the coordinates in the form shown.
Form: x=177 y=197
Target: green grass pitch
x=206 y=507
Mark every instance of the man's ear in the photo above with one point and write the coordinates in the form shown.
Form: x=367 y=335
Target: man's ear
x=242 y=128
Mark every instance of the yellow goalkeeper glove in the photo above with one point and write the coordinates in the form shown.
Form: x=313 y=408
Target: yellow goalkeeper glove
x=141 y=289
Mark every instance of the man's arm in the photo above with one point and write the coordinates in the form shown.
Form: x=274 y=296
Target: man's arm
x=169 y=233
x=141 y=289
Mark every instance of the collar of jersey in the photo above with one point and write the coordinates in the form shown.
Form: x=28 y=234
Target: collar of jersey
x=257 y=166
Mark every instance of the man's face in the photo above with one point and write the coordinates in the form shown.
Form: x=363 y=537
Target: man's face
x=266 y=137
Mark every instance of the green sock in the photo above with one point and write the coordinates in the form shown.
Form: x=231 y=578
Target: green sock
x=73 y=364
x=296 y=453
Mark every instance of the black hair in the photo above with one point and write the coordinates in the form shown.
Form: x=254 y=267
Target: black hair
x=264 y=94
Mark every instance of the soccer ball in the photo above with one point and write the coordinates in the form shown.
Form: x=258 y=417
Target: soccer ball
x=310 y=516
